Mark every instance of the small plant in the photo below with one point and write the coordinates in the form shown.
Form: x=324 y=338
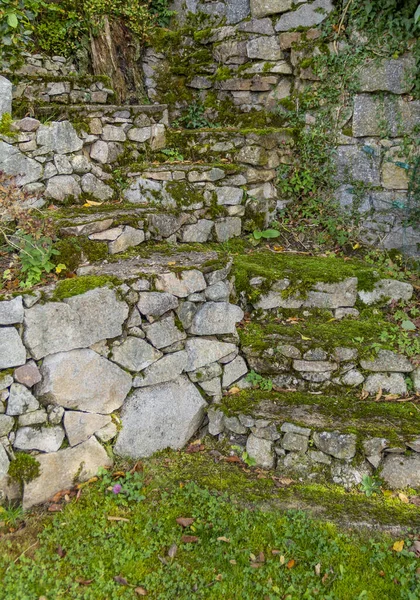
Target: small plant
x=248 y=460
x=257 y=380
x=370 y=485
x=11 y=515
x=35 y=257
x=194 y=118
x=266 y=234
x=23 y=469
x=124 y=489
x=172 y=154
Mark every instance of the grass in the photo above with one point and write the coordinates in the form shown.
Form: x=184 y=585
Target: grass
x=239 y=549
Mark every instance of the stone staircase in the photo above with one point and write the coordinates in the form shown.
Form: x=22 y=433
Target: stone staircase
x=152 y=334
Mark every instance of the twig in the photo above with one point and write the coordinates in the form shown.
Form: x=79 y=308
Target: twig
x=20 y=555
x=341 y=23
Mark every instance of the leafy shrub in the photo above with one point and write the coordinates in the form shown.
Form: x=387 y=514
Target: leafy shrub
x=16 y=28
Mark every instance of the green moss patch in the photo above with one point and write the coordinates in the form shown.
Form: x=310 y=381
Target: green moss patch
x=79 y=285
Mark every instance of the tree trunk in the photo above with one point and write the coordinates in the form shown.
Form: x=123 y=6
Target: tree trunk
x=116 y=53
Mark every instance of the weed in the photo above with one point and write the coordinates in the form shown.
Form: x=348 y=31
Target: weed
x=248 y=460
x=370 y=485
x=258 y=381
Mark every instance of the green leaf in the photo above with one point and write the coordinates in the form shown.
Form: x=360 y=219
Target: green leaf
x=257 y=234
x=12 y=20
x=270 y=233
x=417 y=14
x=408 y=325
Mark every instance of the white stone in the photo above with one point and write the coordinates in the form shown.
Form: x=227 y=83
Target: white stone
x=12 y=351
x=234 y=371
x=129 y=238
x=216 y=318
x=6 y=95
x=387 y=289
x=163 y=333
x=59 y=137
x=202 y=352
x=44 y=439
x=261 y=451
x=166 y=369
x=181 y=284
x=135 y=354
x=20 y=400
x=156 y=304
x=393 y=383
x=80 y=426
x=16 y=164
x=11 y=311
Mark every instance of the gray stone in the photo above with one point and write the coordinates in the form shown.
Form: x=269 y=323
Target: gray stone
x=6 y=95
x=307 y=15
x=393 y=383
x=94 y=186
x=107 y=433
x=100 y=152
x=16 y=164
x=219 y=274
x=186 y=313
x=156 y=304
x=247 y=420
x=6 y=425
x=401 y=471
x=289 y=351
x=316 y=377
x=80 y=426
x=6 y=381
x=202 y=352
x=292 y=428
x=55 y=414
x=264 y=47
x=263 y=26
x=63 y=165
x=212 y=387
x=12 y=351
x=229 y=195
x=20 y=400
x=162 y=416
x=61 y=470
x=315 y=354
x=135 y=354
x=59 y=137
x=181 y=284
x=139 y=134
x=314 y=366
x=216 y=421
x=158 y=139
x=206 y=373
x=295 y=442
x=374 y=446
x=237 y=11
x=297 y=463
x=233 y=424
x=262 y=8
x=77 y=322
x=389 y=289
x=415 y=375
x=166 y=369
x=319 y=457
x=109 y=235
x=387 y=75
x=62 y=187
x=86 y=229
x=218 y=292
x=352 y=378
x=339 y=445
x=165 y=225
x=347 y=475
x=266 y=431
x=11 y=311
x=388 y=361
x=342 y=313
x=216 y=318
x=83 y=380
x=44 y=439
x=343 y=354
x=27 y=124
x=333 y=295
x=234 y=371
x=129 y=238
x=37 y=417
x=414 y=445
x=359 y=163
x=261 y=451
x=228 y=228
x=4 y=459
x=275 y=299
x=164 y=332
x=397 y=115
x=111 y=133
x=81 y=164
x=198 y=232
x=28 y=374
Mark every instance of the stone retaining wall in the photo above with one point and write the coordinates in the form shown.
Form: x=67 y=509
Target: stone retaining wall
x=62 y=90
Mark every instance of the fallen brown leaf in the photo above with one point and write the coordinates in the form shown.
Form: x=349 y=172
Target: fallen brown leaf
x=185 y=521
x=223 y=539
x=140 y=591
x=291 y=564
x=55 y=508
x=120 y=580
x=61 y=552
x=189 y=539
x=403 y=498
x=172 y=551
x=83 y=581
x=118 y=519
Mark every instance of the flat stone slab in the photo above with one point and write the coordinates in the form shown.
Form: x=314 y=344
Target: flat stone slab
x=401 y=471
x=61 y=470
x=80 y=426
x=12 y=351
x=159 y=417
x=83 y=380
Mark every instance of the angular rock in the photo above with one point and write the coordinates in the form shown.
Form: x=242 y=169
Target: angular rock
x=292 y=428
x=162 y=416
x=44 y=439
x=94 y=186
x=387 y=361
x=164 y=332
x=233 y=424
x=77 y=322
x=37 y=417
x=111 y=133
x=314 y=366
x=135 y=354
x=28 y=124
x=11 y=311
x=266 y=48
x=198 y=232
x=216 y=318
x=415 y=375
x=399 y=117
x=60 y=470
x=319 y=457
x=20 y=400
x=59 y=137
x=344 y=354
x=6 y=95
x=28 y=374
x=107 y=433
x=216 y=421
x=333 y=295
x=129 y=238
x=16 y=164
x=83 y=380
x=218 y=292
x=4 y=459
x=234 y=371
x=181 y=284
x=359 y=163
x=186 y=313
x=352 y=377
x=229 y=195
x=393 y=384
x=202 y=352
x=295 y=442
x=339 y=445
x=387 y=289
x=55 y=414
x=6 y=381
x=228 y=228
x=387 y=75
x=261 y=451
x=206 y=373
x=401 y=471
x=212 y=387
x=236 y=11
x=347 y=475
x=156 y=304
x=268 y=432
x=139 y=134
x=62 y=187
x=80 y=426
x=262 y=8
x=307 y=15
x=166 y=369
x=6 y=425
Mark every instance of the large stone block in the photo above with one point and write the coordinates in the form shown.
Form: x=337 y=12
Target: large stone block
x=261 y=451
x=14 y=163
x=77 y=322
x=387 y=75
x=80 y=426
x=166 y=369
x=333 y=295
x=202 y=352
x=135 y=354
x=264 y=48
x=262 y=8
x=360 y=163
x=159 y=417
x=83 y=380
x=6 y=89
x=61 y=470
x=307 y=15
x=401 y=471
x=181 y=284
x=339 y=445
x=59 y=137
x=44 y=439
x=387 y=361
x=63 y=187
x=390 y=289
x=372 y=113
x=11 y=311
x=216 y=318
x=12 y=351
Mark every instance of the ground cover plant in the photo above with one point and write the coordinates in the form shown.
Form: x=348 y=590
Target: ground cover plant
x=172 y=528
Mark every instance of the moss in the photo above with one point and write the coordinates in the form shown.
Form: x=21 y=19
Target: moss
x=6 y=126
x=23 y=468
x=79 y=285
x=72 y=249
x=184 y=193
x=348 y=131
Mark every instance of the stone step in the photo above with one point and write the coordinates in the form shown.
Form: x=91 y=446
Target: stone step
x=318 y=437
x=91 y=110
